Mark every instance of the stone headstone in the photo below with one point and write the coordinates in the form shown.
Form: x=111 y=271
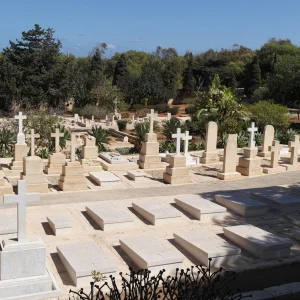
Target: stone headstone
x=252 y=131
x=275 y=156
x=169 y=116
x=32 y=138
x=178 y=136
x=56 y=136
x=20 y=137
x=268 y=137
x=259 y=242
x=210 y=154
x=125 y=140
x=186 y=138
x=230 y=157
x=75 y=118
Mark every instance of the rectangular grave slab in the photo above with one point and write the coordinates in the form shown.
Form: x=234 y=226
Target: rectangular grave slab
x=242 y=204
x=109 y=217
x=152 y=253
x=113 y=158
x=137 y=175
x=156 y=211
x=260 y=243
x=279 y=200
x=82 y=258
x=204 y=245
x=104 y=178
x=60 y=224
x=8 y=222
x=197 y=206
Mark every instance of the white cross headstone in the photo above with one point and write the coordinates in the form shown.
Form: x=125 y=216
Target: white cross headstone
x=252 y=131
x=186 y=138
x=21 y=199
x=21 y=136
x=57 y=135
x=76 y=118
x=151 y=116
x=32 y=136
x=178 y=136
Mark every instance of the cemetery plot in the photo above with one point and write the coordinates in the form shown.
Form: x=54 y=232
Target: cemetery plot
x=104 y=178
x=152 y=253
x=109 y=217
x=278 y=200
x=242 y=204
x=137 y=175
x=204 y=245
x=113 y=158
x=82 y=258
x=196 y=206
x=156 y=211
x=260 y=243
x=60 y=224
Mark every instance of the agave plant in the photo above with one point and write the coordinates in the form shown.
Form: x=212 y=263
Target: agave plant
x=7 y=141
x=101 y=137
x=170 y=127
x=222 y=140
x=242 y=139
x=258 y=138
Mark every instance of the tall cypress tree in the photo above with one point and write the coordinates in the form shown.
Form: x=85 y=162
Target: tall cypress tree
x=121 y=71
x=188 y=77
x=254 y=77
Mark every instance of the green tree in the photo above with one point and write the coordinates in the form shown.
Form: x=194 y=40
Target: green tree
x=188 y=77
x=254 y=77
x=121 y=71
x=32 y=64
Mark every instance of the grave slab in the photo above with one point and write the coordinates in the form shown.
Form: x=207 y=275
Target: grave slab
x=60 y=225
x=199 y=207
x=152 y=253
x=242 y=204
x=81 y=259
x=113 y=158
x=109 y=217
x=204 y=245
x=281 y=201
x=156 y=211
x=104 y=178
x=259 y=242
x=137 y=175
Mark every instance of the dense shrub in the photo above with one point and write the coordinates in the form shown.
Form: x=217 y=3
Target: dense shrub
x=139 y=106
x=268 y=113
x=190 y=109
x=90 y=110
x=7 y=140
x=161 y=107
x=284 y=136
x=43 y=153
x=142 y=113
x=167 y=146
x=122 y=124
x=196 y=146
x=174 y=110
x=189 y=100
x=170 y=127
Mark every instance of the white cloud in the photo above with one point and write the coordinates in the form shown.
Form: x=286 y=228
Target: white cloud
x=111 y=46
x=137 y=40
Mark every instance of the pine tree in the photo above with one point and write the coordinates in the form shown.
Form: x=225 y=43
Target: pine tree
x=121 y=71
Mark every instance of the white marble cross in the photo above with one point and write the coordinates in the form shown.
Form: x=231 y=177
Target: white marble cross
x=21 y=136
x=186 y=137
x=178 y=136
x=21 y=199
x=74 y=145
x=151 y=116
x=294 y=146
x=252 y=130
x=32 y=136
x=57 y=135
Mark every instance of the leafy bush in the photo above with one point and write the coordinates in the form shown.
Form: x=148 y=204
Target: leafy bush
x=101 y=137
x=190 y=109
x=142 y=113
x=43 y=153
x=258 y=137
x=127 y=150
x=268 y=113
x=170 y=127
x=222 y=141
x=7 y=140
x=242 y=139
x=196 y=146
x=90 y=110
x=167 y=146
x=122 y=124
x=161 y=107
x=284 y=136
x=189 y=100
x=139 y=106
x=174 y=110
x=194 y=283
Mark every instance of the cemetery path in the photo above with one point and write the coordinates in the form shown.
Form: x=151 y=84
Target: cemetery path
x=207 y=188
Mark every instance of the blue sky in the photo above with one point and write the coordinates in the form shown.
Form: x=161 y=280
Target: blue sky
x=193 y=25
